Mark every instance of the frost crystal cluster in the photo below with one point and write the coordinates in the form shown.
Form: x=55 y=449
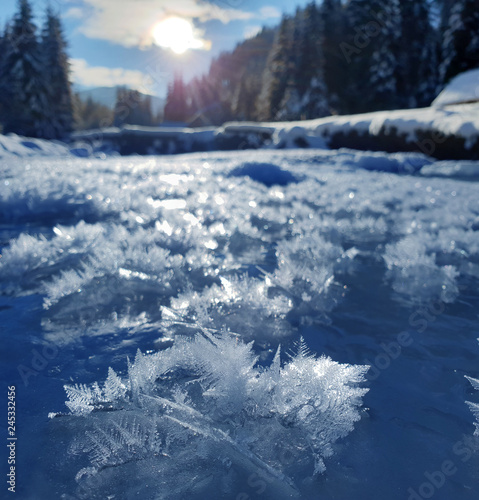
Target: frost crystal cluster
x=474 y=406
x=209 y=398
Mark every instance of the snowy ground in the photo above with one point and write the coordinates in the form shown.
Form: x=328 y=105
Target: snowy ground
x=372 y=259
x=415 y=126
x=440 y=131
x=463 y=88
x=13 y=145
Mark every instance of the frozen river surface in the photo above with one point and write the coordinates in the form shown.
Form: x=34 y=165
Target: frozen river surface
x=257 y=286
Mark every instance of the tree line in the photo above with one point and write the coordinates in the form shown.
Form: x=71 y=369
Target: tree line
x=35 y=91
x=338 y=57
x=36 y=97
x=131 y=108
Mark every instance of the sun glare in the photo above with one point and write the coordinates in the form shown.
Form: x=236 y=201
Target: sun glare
x=176 y=34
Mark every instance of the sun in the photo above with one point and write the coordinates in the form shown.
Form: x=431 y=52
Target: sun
x=177 y=34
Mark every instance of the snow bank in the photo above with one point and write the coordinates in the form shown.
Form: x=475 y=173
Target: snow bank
x=133 y=139
x=409 y=163
x=450 y=132
x=461 y=121
x=462 y=89
x=467 y=170
x=428 y=130
x=295 y=137
x=13 y=145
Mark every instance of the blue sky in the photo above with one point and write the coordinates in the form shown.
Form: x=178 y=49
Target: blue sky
x=110 y=41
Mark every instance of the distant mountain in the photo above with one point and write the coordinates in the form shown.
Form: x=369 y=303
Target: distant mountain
x=107 y=97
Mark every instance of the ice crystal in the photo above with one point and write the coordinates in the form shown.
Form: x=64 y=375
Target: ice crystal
x=208 y=395
x=474 y=406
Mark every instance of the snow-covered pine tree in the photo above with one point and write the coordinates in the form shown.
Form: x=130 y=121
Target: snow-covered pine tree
x=332 y=22
x=25 y=73
x=3 y=50
x=356 y=49
x=417 y=72
x=291 y=105
x=293 y=86
x=371 y=48
x=58 y=118
x=255 y=54
x=275 y=78
x=444 y=7
x=384 y=31
x=311 y=85
x=460 y=43
x=4 y=97
x=290 y=108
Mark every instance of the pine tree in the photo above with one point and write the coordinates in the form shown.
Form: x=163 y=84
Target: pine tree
x=232 y=87
x=123 y=106
x=202 y=99
x=131 y=108
x=356 y=49
x=59 y=121
x=23 y=67
x=332 y=21
x=275 y=79
x=291 y=105
x=460 y=44
x=248 y=61
x=145 y=112
x=4 y=84
x=90 y=114
x=205 y=105
x=293 y=86
x=310 y=67
x=384 y=65
x=3 y=51
x=371 y=49
x=417 y=72
x=176 y=108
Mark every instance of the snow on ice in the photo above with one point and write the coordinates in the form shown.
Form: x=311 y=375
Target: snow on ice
x=207 y=263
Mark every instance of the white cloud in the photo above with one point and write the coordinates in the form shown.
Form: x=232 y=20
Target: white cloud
x=251 y=31
x=130 y=22
x=270 y=12
x=101 y=76
x=75 y=13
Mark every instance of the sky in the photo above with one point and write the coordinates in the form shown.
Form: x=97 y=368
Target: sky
x=122 y=42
